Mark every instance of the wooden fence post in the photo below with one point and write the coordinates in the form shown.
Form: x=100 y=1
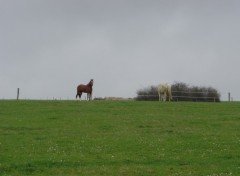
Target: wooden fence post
x=18 y=90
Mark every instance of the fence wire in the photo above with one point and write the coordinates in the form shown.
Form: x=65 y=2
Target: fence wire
x=184 y=96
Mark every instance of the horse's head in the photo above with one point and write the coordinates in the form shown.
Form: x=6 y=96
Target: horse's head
x=91 y=82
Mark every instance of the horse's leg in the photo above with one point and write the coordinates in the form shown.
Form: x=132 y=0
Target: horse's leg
x=80 y=94
x=89 y=96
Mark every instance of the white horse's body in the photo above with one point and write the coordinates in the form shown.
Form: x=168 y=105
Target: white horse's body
x=164 y=92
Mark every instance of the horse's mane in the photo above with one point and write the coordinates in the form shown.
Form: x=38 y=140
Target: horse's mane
x=90 y=83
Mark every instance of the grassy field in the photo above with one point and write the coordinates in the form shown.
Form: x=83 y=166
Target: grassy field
x=119 y=138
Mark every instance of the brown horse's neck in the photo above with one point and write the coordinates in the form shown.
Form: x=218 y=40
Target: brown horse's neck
x=90 y=84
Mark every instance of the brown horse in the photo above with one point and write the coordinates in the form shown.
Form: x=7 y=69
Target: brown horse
x=85 y=89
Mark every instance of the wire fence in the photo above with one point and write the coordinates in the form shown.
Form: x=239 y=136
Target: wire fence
x=184 y=96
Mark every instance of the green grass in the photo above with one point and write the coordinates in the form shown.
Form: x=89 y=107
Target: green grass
x=119 y=138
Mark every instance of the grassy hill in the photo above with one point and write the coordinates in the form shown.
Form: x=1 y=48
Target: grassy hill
x=119 y=138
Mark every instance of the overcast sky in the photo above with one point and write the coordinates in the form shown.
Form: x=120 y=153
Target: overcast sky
x=48 y=47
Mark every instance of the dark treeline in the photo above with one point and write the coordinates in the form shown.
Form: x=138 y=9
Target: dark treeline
x=148 y=94
x=181 y=92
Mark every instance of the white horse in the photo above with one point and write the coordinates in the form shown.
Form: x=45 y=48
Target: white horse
x=164 y=91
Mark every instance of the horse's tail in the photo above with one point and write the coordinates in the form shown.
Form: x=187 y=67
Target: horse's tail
x=77 y=92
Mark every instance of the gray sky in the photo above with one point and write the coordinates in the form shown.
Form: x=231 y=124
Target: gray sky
x=48 y=47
